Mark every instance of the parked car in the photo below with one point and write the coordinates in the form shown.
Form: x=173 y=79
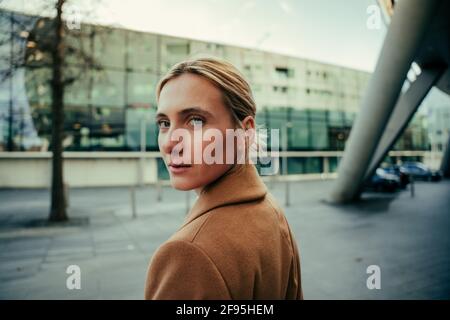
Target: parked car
x=400 y=172
x=419 y=171
x=383 y=181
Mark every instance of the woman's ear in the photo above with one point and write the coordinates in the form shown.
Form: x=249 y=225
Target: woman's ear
x=248 y=123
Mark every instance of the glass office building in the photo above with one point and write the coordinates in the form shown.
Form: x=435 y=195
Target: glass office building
x=112 y=96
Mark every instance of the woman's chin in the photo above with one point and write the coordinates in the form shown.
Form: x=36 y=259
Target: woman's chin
x=182 y=184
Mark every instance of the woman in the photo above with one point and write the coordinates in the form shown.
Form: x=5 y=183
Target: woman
x=235 y=242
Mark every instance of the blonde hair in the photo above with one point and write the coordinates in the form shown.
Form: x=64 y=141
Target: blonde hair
x=236 y=91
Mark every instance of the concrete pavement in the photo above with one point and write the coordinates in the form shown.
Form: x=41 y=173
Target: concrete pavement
x=408 y=238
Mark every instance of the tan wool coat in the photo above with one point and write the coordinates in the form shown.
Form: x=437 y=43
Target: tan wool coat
x=235 y=243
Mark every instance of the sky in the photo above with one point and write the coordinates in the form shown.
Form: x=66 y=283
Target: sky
x=330 y=31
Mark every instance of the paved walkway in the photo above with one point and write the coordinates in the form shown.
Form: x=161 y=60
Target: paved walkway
x=408 y=238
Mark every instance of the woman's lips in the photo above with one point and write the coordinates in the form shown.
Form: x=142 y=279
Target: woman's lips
x=179 y=168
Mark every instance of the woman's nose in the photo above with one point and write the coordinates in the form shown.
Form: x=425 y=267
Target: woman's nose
x=166 y=145
x=168 y=141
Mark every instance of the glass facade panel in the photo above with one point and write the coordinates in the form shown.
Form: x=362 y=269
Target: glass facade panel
x=80 y=46
x=109 y=47
x=299 y=132
x=318 y=130
x=78 y=92
x=277 y=118
x=108 y=88
x=173 y=50
x=141 y=89
x=134 y=118
x=333 y=163
x=142 y=52
x=106 y=130
x=335 y=118
x=300 y=165
x=37 y=84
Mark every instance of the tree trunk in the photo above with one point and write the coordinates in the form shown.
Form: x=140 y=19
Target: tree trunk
x=58 y=201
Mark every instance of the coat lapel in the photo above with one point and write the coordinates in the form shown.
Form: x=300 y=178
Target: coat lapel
x=241 y=184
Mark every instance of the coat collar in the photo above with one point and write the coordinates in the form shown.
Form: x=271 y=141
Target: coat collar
x=239 y=184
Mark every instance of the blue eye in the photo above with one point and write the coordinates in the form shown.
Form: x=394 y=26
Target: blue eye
x=163 y=124
x=196 y=121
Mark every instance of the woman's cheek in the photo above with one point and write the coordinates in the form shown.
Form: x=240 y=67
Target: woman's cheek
x=159 y=141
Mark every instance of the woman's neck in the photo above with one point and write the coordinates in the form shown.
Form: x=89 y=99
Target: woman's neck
x=199 y=190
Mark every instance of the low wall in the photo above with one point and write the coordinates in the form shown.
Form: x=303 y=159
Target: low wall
x=100 y=169
x=81 y=169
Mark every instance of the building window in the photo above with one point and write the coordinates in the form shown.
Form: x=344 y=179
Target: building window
x=178 y=49
x=282 y=89
x=284 y=72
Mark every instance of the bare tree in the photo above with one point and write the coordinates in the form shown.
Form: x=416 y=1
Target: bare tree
x=47 y=47
x=58 y=199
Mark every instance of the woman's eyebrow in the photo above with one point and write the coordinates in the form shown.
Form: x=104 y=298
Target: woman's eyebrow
x=199 y=110
x=186 y=112
x=160 y=115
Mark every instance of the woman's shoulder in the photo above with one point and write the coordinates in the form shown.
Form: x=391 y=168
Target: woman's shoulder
x=238 y=226
x=182 y=270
